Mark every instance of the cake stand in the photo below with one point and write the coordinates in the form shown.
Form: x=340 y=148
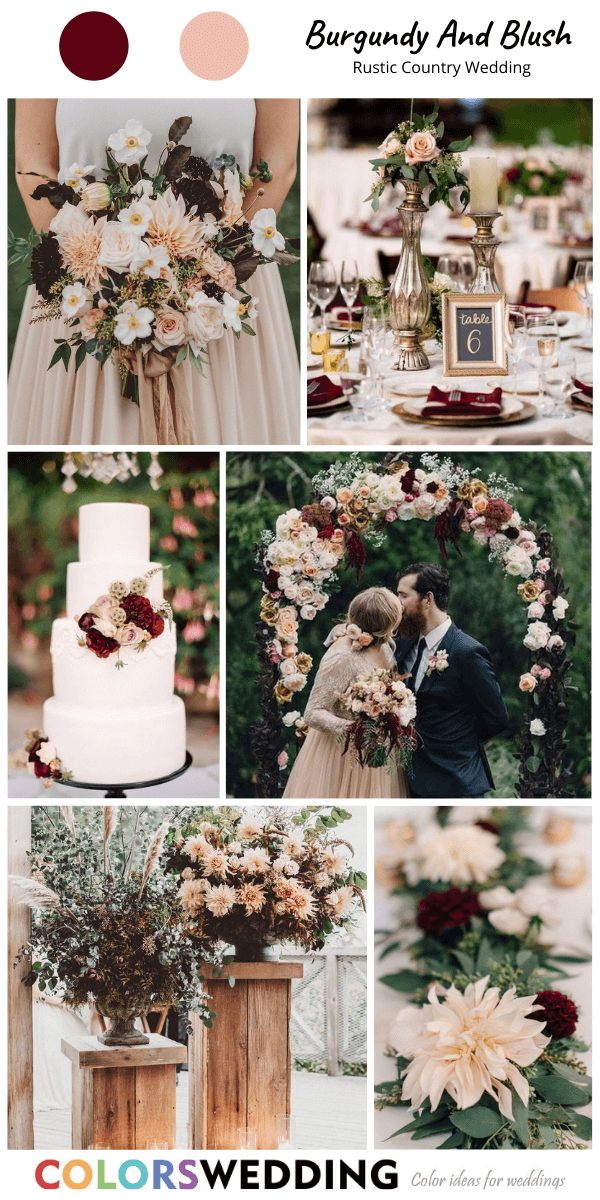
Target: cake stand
x=116 y=791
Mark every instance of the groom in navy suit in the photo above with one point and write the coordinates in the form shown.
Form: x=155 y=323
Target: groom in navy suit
x=459 y=702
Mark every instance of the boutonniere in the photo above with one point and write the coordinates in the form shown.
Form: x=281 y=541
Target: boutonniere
x=437 y=662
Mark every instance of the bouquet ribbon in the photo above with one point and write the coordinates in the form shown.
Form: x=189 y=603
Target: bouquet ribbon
x=165 y=406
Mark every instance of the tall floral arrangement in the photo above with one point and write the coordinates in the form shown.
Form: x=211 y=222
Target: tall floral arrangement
x=352 y=506
x=486 y=1053
x=267 y=876
x=108 y=930
x=414 y=151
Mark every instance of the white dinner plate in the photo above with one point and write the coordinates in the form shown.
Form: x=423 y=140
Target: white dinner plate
x=573 y=326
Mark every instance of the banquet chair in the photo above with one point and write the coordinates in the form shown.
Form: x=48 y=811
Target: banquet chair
x=562 y=298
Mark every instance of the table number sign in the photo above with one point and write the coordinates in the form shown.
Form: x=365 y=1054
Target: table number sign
x=474 y=334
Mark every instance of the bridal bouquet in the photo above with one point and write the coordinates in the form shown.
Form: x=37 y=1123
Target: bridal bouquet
x=253 y=880
x=147 y=269
x=487 y=1052
x=413 y=151
x=383 y=711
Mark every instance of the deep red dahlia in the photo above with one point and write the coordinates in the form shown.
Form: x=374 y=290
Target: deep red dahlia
x=86 y=621
x=101 y=645
x=317 y=515
x=497 y=511
x=446 y=910
x=156 y=627
x=139 y=610
x=559 y=1013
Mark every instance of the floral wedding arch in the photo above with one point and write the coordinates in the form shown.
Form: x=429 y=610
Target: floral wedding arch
x=353 y=505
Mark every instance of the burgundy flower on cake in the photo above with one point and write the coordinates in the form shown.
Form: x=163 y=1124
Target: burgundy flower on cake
x=447 y=910
x=559 y=1013
x=102 y=646
x=124 y=618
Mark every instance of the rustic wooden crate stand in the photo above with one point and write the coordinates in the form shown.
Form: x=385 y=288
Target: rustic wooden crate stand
x=123 y=1096
x=240 y=1070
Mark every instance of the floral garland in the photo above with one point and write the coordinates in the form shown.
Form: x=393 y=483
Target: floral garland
x=253 y=880
x=411 y=152
x=123 y=618
x=483 y=986
x=354 y=502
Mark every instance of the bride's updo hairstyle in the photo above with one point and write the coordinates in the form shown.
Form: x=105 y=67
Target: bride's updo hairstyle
x=376 y=611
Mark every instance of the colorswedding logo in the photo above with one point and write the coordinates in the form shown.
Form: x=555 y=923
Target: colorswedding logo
x=236 y=1174
x=510 y=36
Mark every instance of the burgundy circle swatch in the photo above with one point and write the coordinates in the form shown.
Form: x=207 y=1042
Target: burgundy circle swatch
x=214 y=46
x=93 y=46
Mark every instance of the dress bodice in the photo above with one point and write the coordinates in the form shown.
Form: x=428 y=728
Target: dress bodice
x=218 y=127
x=339 y=667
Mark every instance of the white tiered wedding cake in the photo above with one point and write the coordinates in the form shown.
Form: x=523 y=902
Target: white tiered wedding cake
x=113 y=717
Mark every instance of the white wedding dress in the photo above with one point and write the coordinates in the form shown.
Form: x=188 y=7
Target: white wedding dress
x=249 y=394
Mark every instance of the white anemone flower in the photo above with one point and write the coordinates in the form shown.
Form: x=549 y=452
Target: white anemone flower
x=233 y=311
x=150 y=259
x=76 y=300
x=467 y=1044
x=74 y=176
x=136 y=217
x=267 y=238
x=129 y=145
x=252 y=307
x=135 y=323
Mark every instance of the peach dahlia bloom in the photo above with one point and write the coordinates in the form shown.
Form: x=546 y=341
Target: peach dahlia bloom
x=468 y=1044
x=171 y=227
x=220 y=899
x=80 y=245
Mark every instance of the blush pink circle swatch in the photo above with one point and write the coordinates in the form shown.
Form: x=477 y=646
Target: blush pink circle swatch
x=93 y=46
x=214 y=45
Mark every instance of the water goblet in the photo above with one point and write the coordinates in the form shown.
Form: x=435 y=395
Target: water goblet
x=349 y=284
x=559 y=384
x=322 y=285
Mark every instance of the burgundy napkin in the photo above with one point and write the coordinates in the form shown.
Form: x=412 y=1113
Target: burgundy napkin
x=586 y=388
x=440 y=403
x=324 y=392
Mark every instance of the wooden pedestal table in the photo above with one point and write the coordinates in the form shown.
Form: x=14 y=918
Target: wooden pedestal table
x=123 y=1096
x=240 y=1070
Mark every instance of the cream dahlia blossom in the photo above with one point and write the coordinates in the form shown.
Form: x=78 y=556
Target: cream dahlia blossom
x=457 y=854
x=171 y=227
x=468 y=1044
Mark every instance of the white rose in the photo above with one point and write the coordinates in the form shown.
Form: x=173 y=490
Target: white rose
x=118 y=247
x=204 y=319
x=537 y=635
x=290 y=718
x=559 y=607
x=535 y=610
x=509 y=920
x=47 y=752
x=308 y=612
x=537 y=727
x=555 y=642
x=498 y=897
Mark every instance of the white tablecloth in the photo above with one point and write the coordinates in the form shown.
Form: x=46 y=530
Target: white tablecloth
x=199 y=783
x=391 y=430
x=572 y=905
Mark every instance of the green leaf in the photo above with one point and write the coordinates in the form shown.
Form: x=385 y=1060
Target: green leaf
x=582 y=1126
x=423 y=177
x=458 y=147
x=548 y=1136
x=560 y=1091
x=521 y=1119
x=440 y=129
x=231 y=980
x=181 y=354
x=430 y=1118
x=583 y=1081
x=80 y=356
x=404 y=981
x=477 y=1121
x=452 y=1143
x=248 y=329
x=465 y=961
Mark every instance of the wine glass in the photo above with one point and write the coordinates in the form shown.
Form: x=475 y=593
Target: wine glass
x=349 y=284
x=449 y=264
x=358 y=391
x=559 y=383
x=517 y=341
x=542 y=335
x=322 y=285
x=379 y=352
x=467 y=273
x=583 y=284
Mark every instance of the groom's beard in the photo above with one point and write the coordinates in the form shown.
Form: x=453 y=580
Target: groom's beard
x=412 y=625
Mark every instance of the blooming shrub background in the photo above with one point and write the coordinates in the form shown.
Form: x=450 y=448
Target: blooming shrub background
x=484 y=599
x=184 y=536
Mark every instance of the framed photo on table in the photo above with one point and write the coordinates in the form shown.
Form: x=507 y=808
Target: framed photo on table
x=473 y=331
x=542 y=216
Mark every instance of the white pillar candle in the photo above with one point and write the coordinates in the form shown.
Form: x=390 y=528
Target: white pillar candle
x=483 y=176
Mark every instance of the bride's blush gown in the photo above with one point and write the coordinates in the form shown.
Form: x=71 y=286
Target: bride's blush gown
x=321 y=771
x=249 y=393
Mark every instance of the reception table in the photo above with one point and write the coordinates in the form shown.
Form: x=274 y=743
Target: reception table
x=572 y=906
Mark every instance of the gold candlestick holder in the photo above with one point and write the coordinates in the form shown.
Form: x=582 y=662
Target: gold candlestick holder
x=484 y=245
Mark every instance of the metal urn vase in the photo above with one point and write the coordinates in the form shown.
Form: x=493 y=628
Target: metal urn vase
x=409 y=297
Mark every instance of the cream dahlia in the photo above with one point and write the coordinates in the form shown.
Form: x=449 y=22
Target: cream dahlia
x=215 y=862
x=457 y=854
x=80 y=244
x=220 y=899
x=191 y=895
x=249 y=828
x=171 y=227
x=255 y=862
x=340 y=902
x=195 y=847
x=300 y=902
x=468 y=1044
x=252 y=895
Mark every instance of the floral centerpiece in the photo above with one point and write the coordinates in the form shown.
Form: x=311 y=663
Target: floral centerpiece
x=148 y=268
x=528 y=177
x=413 y=151
x=486 y=1054
x=105 y=931
x=253 y=880
x=124 y=618
x=382 y=710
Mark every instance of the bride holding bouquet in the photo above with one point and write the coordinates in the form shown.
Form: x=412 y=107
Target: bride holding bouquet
x=247 y=388
x=354 y=684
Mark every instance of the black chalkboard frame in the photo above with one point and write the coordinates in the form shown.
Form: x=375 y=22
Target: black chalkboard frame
x=496 y=363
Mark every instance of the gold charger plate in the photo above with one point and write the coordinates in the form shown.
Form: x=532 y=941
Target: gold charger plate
x=525 y=413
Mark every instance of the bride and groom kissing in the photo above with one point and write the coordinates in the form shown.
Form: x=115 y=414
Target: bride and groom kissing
x=458 y=698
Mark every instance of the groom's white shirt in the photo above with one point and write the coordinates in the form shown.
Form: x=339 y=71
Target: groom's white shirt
x=432 y=641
